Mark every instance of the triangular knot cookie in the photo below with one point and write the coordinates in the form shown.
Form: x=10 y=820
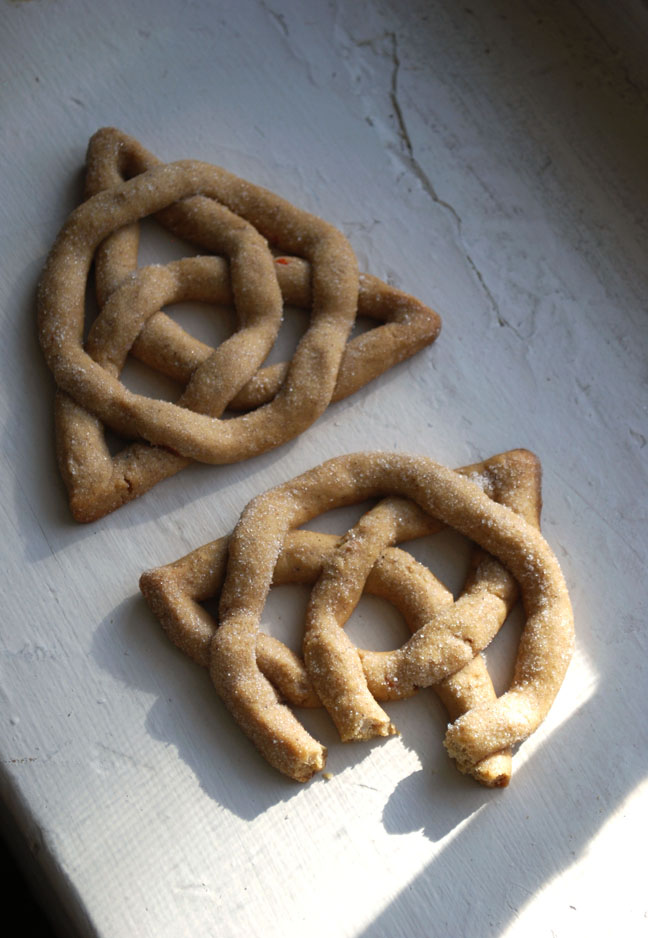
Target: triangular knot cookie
x=495 y=503
x=263 y=252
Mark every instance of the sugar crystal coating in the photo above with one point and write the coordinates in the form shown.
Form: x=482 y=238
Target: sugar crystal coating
x=253 y=672
x=237 y=221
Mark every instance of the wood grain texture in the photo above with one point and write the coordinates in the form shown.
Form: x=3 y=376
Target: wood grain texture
x=488 y=157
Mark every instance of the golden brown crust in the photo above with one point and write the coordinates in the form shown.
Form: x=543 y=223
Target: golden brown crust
x=237 y=220
x=495 y=503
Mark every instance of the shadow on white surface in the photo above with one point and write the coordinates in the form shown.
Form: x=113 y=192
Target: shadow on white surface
x=558 y=801
x=480 y=853
x=188 y=715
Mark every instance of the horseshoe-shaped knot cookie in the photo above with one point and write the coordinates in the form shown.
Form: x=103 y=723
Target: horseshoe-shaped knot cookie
x=264 y=252
x=495 y=503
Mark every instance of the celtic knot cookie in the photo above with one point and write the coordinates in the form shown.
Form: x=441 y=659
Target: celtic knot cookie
x=263 y=253
x=496 y=504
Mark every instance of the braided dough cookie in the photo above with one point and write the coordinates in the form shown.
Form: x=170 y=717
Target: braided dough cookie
x=236 y=220
x=496 y=503
x=175 y=592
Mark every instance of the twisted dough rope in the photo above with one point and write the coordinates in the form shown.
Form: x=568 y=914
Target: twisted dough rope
x=545 y=646
x=241 y=660
x=512 y=479
x=410 y=326
x=293 y=396
x=311 y=380
x=174 y=593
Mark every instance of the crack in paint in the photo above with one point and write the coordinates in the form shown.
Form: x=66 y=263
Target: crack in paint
x=404 y=136
x=277 y=17
x=406 y=154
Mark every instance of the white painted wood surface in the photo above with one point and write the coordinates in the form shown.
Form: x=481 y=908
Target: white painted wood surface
x=489 y=157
